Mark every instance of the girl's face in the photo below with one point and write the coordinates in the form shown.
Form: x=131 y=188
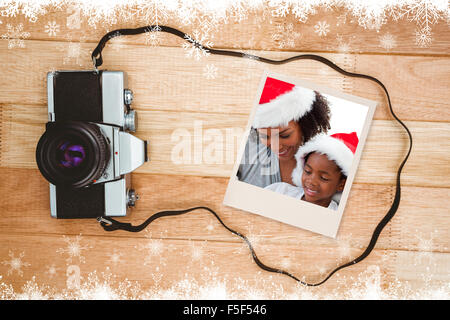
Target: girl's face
x=321 y=179
x=284 y=141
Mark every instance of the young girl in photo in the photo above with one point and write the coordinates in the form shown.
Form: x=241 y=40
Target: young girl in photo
x=323 y=165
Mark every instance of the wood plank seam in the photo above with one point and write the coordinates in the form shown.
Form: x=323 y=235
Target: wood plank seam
x=231 y=47
x=2 y=123
x=347 y=86
x=420 y=109
x=393 y=233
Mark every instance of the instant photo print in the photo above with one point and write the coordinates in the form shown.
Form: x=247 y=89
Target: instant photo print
x=300 y=153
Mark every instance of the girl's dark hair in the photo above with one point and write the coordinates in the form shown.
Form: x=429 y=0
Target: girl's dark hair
x=317 y=120
x=343 y=176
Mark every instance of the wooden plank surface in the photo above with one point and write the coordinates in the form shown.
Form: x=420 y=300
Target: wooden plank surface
x=188 y=191
x=159 y=86
x=181 y=257
x=201 y=262
x=22 y=126
x=258 y=30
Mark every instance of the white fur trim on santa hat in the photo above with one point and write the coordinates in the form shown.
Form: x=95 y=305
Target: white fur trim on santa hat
x=287 y=107
x=333 y=148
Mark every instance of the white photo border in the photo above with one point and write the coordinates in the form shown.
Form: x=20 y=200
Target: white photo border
x=302 y=214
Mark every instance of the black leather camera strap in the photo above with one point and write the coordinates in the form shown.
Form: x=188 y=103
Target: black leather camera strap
x=110 y=224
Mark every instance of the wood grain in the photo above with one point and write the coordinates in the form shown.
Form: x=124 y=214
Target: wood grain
x=23 y=125
x=178 y=83
x=367 y=203
x=216 y=262
x=259 y=30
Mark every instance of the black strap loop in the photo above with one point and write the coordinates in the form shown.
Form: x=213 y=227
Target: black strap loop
x=110 y=224
x=97 y=53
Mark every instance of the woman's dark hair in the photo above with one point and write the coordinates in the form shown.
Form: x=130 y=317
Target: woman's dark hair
x=317 y=120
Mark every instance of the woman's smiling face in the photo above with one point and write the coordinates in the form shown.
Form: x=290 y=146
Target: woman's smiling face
x=283 y=141
x=321 y=179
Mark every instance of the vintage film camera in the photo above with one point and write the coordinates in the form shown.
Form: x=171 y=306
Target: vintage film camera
x=86 y=153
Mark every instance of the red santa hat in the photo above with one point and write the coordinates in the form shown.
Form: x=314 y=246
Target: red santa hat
x=282 y=102
x=339 y=147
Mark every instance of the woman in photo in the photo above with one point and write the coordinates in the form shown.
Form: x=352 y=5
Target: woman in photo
x=287 y=116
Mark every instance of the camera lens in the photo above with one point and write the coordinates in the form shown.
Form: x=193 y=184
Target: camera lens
x=72 y=153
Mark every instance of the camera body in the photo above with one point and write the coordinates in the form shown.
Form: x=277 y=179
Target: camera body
x=87 y=152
